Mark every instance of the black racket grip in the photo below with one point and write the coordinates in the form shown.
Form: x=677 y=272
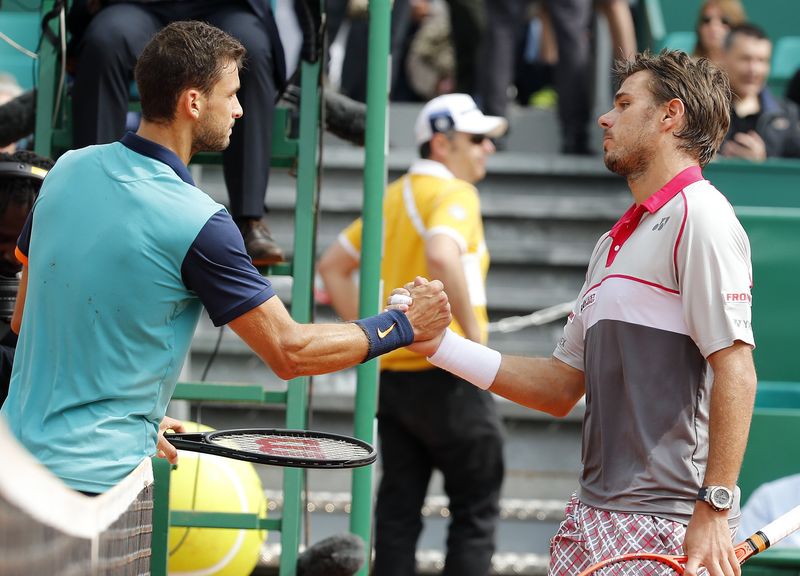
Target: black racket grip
x=189 y=440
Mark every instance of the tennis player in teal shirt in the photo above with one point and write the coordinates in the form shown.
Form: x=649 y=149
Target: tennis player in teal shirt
x=120 y=254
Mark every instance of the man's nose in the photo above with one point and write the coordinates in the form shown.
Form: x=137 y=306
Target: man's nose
x=604 y=120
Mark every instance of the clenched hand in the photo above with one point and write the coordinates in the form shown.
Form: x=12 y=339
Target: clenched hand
x=429 y=312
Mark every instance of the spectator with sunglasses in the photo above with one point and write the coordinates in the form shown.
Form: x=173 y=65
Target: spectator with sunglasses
x=713 y=24
x=428 y=418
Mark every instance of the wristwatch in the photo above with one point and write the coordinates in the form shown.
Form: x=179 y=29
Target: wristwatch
x=718 y=497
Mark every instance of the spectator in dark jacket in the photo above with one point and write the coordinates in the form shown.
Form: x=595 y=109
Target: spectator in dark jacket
x=108 y=38
x=762 y=125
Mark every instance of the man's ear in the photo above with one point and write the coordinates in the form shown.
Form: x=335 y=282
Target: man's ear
x=440 y=145
x=673 y=113
x=190 y=103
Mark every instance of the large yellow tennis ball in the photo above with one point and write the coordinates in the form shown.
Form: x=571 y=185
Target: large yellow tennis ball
x=214 y=484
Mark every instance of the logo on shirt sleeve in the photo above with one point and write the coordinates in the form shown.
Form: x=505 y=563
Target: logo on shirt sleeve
x=588 y=301
x=737 y=298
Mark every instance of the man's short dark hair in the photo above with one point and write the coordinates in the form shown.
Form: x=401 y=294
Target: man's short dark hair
x=748 y=30
x=182 y=55
x=703 y=88
x=21 y=190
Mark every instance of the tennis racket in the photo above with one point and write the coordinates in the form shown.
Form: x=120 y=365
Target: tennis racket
x=293 y=448
x=645 y=563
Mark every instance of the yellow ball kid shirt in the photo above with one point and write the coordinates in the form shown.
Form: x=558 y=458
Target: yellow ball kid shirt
x=425 y=202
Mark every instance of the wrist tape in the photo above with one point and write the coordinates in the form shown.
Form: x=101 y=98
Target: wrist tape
x=385 y=332
x=475 y=363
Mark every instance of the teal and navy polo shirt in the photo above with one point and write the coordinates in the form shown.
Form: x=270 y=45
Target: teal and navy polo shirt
x=123 y=251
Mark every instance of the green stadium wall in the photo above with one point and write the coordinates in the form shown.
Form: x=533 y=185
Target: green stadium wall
x=775 y=244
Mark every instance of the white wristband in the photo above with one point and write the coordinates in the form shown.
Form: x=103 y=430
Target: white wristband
x=475 y=363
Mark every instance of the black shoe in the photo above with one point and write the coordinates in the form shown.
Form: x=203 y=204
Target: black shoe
x=259 y=243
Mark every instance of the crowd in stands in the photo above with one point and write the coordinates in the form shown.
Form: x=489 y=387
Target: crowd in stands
x=530 y=52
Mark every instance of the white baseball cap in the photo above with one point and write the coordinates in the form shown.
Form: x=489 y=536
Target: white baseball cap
x=456 y=112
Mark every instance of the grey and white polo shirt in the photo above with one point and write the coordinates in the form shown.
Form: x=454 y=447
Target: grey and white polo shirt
x=668 y=286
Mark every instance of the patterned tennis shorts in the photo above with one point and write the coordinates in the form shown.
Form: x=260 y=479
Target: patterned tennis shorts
x=588 y=535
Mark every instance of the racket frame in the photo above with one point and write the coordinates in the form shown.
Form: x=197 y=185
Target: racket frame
x=762 y=539
x=202 y=442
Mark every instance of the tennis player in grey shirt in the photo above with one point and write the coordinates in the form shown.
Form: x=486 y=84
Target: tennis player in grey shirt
x=659 y=341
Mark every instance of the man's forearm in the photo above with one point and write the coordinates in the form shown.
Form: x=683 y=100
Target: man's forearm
x=344 y=295
x=443 y=257
x=544 y=384
x=452 y=276
x=292 y=349
x=732 y=399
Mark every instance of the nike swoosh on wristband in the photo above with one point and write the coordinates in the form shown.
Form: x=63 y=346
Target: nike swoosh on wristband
x=382 y=333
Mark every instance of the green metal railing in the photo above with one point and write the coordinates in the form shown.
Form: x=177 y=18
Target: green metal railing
x=371 y=253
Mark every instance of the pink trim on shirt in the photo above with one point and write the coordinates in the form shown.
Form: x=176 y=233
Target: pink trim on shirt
x=684 y=178
x=634 y=279
x=680 y=236
x=623 y=229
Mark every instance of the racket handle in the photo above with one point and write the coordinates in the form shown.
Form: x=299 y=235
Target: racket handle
x=752 y=546
x=184 y=440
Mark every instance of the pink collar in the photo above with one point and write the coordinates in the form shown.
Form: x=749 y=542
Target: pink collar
x=686 y=177
x=625 y=226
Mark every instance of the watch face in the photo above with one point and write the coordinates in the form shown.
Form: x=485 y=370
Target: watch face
x=720 y=497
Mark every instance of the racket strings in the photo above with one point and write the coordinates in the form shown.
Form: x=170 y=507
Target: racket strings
x=293 y=446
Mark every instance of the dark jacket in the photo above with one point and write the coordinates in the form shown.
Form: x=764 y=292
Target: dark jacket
x=778 y=125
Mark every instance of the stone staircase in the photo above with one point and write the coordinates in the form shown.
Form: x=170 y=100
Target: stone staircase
x=543 y=213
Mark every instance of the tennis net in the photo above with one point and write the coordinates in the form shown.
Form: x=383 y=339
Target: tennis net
x=47 y=528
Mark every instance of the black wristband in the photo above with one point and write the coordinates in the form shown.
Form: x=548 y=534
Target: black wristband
x=385 y=332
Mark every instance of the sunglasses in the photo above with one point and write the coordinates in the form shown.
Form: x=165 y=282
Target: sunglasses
x=709 y=19
x=478 y=138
